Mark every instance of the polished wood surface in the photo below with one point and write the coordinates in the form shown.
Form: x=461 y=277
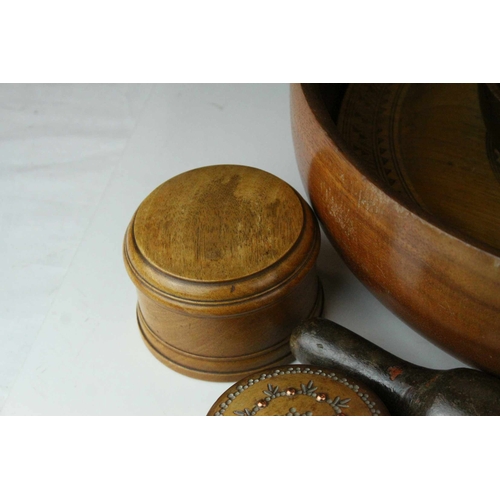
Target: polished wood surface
x=428 y=143
x=405 y=388
x=182 y=223
x=298 y=390
x=434 y=262
x=223 y=258
x=489 y=100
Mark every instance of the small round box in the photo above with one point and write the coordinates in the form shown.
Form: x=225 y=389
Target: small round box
x=223 y=258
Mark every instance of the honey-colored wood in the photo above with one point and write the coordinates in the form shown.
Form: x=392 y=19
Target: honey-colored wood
x=298 y=390
x=223 y=258
x=182 y=224
x=428 y=143
x=406 y=189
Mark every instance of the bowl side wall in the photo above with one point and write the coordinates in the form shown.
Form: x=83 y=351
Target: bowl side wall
x=443 y=287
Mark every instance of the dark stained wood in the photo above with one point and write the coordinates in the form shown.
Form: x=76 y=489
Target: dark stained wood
x=489 y=100
x=405 y=388
x=223 y=258
x=298 y=390
x=408 y=195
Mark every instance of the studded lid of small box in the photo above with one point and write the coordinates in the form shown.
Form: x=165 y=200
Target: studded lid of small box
x=298 y=390
x=223 y=258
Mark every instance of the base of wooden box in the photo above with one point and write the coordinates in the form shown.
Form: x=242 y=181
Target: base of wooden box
x=219 y=369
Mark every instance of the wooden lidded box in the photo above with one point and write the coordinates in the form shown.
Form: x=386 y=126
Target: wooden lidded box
x=223 y=258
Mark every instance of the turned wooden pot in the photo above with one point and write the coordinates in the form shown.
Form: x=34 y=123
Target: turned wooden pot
x=223 y=258
x=406 y=184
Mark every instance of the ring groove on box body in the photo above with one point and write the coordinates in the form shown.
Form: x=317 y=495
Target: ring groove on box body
x=223 y=259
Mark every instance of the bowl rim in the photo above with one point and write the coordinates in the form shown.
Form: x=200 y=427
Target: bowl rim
x=314 y=99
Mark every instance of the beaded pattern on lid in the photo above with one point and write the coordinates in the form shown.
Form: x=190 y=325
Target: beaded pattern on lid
x=310 y=389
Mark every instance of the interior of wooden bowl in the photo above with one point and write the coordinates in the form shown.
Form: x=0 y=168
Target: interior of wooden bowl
x=425 y=145
x=489 y=100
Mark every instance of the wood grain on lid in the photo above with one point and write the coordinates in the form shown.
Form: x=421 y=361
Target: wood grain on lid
x=218 y=223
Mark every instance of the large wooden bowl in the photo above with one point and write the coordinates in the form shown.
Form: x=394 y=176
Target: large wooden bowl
x=431 y=253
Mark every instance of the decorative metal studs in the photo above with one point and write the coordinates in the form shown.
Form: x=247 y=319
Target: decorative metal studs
x=272 y=392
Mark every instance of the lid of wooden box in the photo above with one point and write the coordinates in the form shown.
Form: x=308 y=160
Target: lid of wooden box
x=298 y=390
x=221 y=233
